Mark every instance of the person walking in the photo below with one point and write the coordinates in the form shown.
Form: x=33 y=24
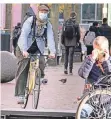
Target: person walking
x=90 y=35
x=69 y=38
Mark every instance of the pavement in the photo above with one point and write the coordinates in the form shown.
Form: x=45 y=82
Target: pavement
x=53 y=95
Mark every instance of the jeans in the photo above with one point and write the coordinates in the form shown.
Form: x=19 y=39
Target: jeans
x=69 y=53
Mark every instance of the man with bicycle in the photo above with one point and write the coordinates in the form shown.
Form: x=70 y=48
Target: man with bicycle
x=26 y=45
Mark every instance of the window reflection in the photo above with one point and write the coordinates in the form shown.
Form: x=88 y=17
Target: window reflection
x=88 y=11
x=99 y=12
x=91 y=13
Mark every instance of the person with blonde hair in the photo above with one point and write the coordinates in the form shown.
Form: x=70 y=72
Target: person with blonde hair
x=98 y=63
x=93 y=67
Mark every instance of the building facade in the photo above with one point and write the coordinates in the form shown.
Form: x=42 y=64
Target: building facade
x=15 y=13
x=87 y=13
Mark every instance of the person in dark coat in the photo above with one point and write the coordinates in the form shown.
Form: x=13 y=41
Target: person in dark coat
x=70 y=44
x=93 y=28
x=106 y=30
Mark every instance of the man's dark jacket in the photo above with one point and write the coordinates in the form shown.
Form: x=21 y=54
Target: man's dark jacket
x=106 y=31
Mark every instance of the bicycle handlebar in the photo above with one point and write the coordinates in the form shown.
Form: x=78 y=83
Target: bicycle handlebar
x=104 y=77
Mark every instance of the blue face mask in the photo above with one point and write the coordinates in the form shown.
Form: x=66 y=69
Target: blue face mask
x=43 y=16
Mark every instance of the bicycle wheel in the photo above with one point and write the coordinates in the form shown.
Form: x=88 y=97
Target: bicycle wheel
x=25 y=98
x=109 y=114
x=95 y=105
x=36 y=90
x=26 y=93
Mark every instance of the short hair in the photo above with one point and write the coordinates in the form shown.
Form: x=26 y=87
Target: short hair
x=102 y=42
x=95 y=23
x=105 y=20
x=73 y=14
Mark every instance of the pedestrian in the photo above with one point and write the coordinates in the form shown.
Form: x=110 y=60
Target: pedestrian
x=70 y=38
x=15 y=35
x=26 y=45
x=106 y=31
x=90 y=35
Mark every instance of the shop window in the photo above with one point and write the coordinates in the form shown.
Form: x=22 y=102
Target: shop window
x=88 y=11
x=99 y=12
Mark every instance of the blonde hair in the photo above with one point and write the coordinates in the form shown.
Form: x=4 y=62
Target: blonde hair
x=102 y=43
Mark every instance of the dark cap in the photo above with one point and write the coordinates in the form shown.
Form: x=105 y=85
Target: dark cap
x=73 y=14
x=43 y=8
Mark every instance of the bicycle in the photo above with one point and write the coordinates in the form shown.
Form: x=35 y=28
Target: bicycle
x=96 y=103
x=33 y=81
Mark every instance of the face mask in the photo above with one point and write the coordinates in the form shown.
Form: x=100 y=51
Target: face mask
x=43 y=16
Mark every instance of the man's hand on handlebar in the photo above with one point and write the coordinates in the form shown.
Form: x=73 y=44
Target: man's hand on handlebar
x=52 y=56
x=25 y=54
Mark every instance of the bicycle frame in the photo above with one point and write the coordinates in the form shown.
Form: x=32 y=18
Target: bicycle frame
x=32 y=73
x=33 y=81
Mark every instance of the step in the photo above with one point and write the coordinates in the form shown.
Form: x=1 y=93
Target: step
x=12 y=113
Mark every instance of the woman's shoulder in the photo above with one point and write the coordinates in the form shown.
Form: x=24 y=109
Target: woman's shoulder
x=88 y=59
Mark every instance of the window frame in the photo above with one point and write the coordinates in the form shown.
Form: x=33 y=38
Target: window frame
x=89 y=20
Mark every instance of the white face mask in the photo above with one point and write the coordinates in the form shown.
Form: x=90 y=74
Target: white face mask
x=43 y=16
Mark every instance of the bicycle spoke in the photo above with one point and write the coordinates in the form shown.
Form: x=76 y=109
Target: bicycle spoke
x=98 y=105
x=109 y=114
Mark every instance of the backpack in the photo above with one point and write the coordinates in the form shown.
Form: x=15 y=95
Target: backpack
x=69 y=29
x=17 y=31
x=89 y=38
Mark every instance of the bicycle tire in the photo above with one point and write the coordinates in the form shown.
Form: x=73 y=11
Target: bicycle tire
x=36 y=90
x=87 y=97
x=109 y=113
x=26 y=93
